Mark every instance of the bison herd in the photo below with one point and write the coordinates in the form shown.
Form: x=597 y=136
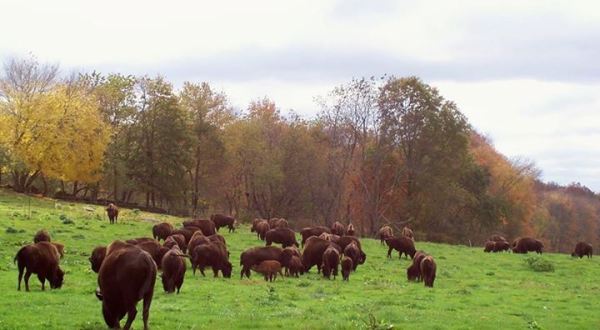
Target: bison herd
x=127 y=270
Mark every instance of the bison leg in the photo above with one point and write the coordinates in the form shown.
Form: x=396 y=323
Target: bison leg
x=43 y=281
x=27 y=274
x=146 y=308
x=21 y=268
x=130 y=317
x=202 y=271
x=215 y=271
x=389 y=254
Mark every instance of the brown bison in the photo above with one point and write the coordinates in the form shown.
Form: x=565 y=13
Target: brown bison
x=347 y=267
x=500 y=246
x=217 y=238
x=255 y=222
x=186 y=232
x=407 y=232
x=113 y=212
x=156 y=251
x=313 y=252
x=162 y=231
x=197 y=239
x=287 y=255
x=353 y=252
x=338 y=229
x=428 y=268
x=269 y=268
x=126 y=276
x=285 y=236
x=385 y=232
x=261 y=229
x=97 y=257
x=295 y=266
x=403 y=245
x=330 y=263
x=278 y=223
x=413 y=272
x=313 y=231
x=41 y=236
x=173 y=270
x=344 y=241
x=582 y=249
x=176 y=239
x=526 y=244
x=207 y=226
x=254 y=256
x=489 y=246
x=214 y=255
x=42 y=259
x=350 y=231
x=222 y=220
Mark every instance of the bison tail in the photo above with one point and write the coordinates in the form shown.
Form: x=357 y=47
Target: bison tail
x=18 y=254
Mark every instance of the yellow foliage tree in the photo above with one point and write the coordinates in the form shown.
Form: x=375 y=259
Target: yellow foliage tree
x=59 y=133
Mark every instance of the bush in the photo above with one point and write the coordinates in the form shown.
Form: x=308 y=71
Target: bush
x=539 y=264
x=11 y=230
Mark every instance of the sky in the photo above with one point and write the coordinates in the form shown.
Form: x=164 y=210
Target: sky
x=525 y=73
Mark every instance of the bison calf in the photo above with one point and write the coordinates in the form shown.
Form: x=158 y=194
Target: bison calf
x=428 y=268
x=269 y=268
x=347 y=267
x=331 y=261
x=173 y=267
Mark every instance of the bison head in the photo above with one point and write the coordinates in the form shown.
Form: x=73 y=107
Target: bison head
x=56 y=280
x=227 y=267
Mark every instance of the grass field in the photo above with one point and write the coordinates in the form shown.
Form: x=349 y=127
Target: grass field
x=473 y=290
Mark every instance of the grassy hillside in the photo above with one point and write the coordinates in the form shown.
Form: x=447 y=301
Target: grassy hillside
x=473 y=290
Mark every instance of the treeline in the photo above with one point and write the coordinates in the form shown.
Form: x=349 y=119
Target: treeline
x=380 y=151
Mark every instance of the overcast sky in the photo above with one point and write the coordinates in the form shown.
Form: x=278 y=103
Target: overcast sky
x=526 y=73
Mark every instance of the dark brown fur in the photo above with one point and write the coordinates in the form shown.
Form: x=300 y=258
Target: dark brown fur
x=526 y=244
x=295 y=266
x=403 y=245
x=583 y=249
x=197 y=239
x=173 y=270
x=269 y=268
x=113 y=212
x=331 y=261
x=207 y=226
x=254 y=256
x=413 y=272
x=286 y=256
x=347 y=267
x=353 y=252
x=313 y=252
x=42 y=259
x=385 y=232
x=313 y=231
x=489 y=246
x=42 y=236
x=222 y=220
x=428 y=269
x=338 y=229
x=156 y=251
x=500 y=246
x=176 y=239
x=285 y=236
x=261 y=229
x=214 y=255
x=127 y=276
x=97 y=257
x=162 y=230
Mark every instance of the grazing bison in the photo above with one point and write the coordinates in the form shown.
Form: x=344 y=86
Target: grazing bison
x=295 y=266
x=173 y=270
x=255 y=222
x=162 y=231
x=489 y=246
x=261 y=229
x=347 y=266
x=526 y=244
x=500 y=246
x=197 y=239
x=407 y=232
x=428 y=268
x=287 y=255
x=385 y=232
x=176 y=239
x=41 y=236
x=254 y=256
x=285 y=236
x=213 y=254
x=344 y=241
x=127 y=276
x=350 y=231
x=156 y=251
x=331 y=261
x=42 y=259
x=413 y=272
x=313 y=231
x=313 y=252
x=97 y=257
x=338 y=229
x=269 y=268
x=113 y=212
x=353 y=252
x=207 y=226
x=403 y=245
x=222 y=220
x=582 y=249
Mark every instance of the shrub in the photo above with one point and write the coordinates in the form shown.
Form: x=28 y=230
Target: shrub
x=539 y=264
x=11 y=230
